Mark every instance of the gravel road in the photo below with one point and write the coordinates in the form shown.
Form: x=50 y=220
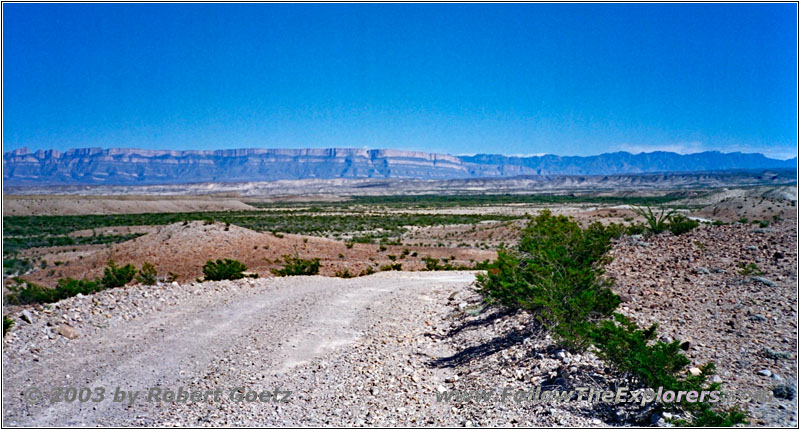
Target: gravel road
x=371 y=351
x=256 y=334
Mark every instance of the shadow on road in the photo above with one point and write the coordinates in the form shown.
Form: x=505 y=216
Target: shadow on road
x=483 y=350
x=471 y=325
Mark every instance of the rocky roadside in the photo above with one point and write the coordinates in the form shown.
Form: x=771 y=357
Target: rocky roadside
x=382 y=350
x=731 y=292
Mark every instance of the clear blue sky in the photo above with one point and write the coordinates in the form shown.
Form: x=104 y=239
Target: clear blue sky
x=569 y=79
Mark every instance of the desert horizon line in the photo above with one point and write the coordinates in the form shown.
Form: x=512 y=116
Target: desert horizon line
x=25 y=150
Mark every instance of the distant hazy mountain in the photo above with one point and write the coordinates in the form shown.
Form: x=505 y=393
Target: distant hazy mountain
x=93 y=166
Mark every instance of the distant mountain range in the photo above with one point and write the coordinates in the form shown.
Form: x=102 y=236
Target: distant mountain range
x=123 y=166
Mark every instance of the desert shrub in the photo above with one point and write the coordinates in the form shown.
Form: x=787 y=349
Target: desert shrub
x=662 y=220
x=395 y=266
x=114 y=276
x=636 y=228
x=705 y=416
x=147 y=274
x=632 y=350
x=366 y=272
x=296 y=266
x=749 y=269
x=7 y=323
x=24 y=292
x=555 y=273
x=484 y=265
x=344 y=274
x=27 y=293
x=68 y=287
x=431 y=263
x=16 y=266
x=656 y=220
x=654 y=363
x=679 y=224
x=172 y=277
x=223 y=269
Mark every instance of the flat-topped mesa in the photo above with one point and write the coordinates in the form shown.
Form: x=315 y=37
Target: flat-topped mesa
x=131 y=166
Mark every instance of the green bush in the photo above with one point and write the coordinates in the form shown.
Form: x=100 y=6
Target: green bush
x=656 y=221
x=296 y=266
x=679 y=224
x=366 y=272
x=24 y=293
x=632 y=350
x=16 y=266
x=147 y=274
x=636 y=228
x=7 y=323
x=223 y=269
x=431 y=263
x=27 y=293
x=344 y=274
x=68 y=287
x=555 y=273
x=114 y=276
x=749 y=269
x=662 y=220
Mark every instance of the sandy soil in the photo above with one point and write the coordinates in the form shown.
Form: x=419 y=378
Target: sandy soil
x=103 y=205
x=183 y=249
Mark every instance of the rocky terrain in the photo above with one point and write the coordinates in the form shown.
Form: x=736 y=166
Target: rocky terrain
x=376 y=350
x=731 y=292
x=183 y=248
x=126 y=166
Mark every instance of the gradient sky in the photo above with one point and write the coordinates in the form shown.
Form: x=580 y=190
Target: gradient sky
x=568 y=79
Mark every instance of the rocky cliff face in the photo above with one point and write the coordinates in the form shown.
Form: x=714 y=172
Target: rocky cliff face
x=115 y=166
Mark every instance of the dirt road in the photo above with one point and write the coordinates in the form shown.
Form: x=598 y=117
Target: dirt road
x=256 y=334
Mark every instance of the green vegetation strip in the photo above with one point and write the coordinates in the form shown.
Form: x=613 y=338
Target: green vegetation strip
x=26 y=292
x=436 y=200
x=555 y=272
x=26 y=226
x=12 y=245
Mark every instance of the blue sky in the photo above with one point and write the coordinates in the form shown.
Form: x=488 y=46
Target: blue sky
x=568 y=79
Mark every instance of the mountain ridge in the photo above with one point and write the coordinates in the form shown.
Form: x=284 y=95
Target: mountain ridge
x=132 y=166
